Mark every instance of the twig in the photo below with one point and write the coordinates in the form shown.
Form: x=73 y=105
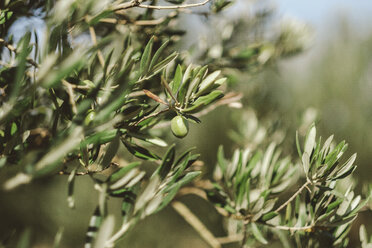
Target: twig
x=201 y=193
x=308 y=228
x=71 y=95
x=94 y=40
x=128 y=5
x=137 y=3
x=14 y=50
x=168 y=89
x=190 y=218
x=76 y=173
x=184 y=6
x=141 y=22
x=230 y=239
x=292 y=197
x=152 y=115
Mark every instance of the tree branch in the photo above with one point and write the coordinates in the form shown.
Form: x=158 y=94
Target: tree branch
x=190 y=218
x=137 y=3
x=14 y=50
x=184 y=6
x=94 y=40
x=292 y=197
x=152 y=115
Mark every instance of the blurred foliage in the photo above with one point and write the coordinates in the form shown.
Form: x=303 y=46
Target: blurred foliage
x=94 y=94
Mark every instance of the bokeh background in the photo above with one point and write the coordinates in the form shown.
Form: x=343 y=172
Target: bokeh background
x=331 y=79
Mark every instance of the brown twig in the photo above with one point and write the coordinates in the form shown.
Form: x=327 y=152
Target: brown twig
x=11 y=48
x=137 y=3
x=194 y=221
x=152 y=115
x=128 y=5
x=230 y=239
x=141 y=22
x=94 y=40
x=71 y=94
x=292 y=197
x=184 y=6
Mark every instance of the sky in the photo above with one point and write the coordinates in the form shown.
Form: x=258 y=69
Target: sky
x=325 y=17
x=324 y=14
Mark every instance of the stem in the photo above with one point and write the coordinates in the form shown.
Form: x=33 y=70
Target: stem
x=230 y=239
x=137 y=3
x=184 y=6
x=14 y=50
x=152 y=115
x=198 y=226
x=94 y=40
x=244 y=240
x=293 y=196
x=292 y=228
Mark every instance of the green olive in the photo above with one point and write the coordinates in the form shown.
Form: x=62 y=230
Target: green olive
x=89 y=117
x=179 y=126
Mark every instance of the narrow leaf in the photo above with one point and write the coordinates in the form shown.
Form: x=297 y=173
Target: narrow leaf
x=257 y=234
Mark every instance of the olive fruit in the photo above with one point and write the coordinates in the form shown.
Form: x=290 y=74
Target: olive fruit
x=89 y=117
x=179 y=126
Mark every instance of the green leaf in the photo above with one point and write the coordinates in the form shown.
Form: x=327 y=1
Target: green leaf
x=269 y=216
x=204 y=101
x=70 y=189
x=205 y=85
x=145 y=59
x=13 y=128
x=175 y=1
x=363 y=235
x=298 y=145
x=177 y=80
x=99 y=138
x=162 y=64
x=148 y=138
x=122 y=171
x=52 y=161
x=24 y=47
x=306 y=163
x=73 y=62
x=5 y=15
x=310 y=141
x=157 y=54
x=347 y=168
x=94 y=20
x=110 y=152
x=167 y=162
x=334 y=204
x=105 y=231
x=257 y=234
x=140 y=152
x=288 y=212
x=183 y=156
x=58 y=238
x=171 y=193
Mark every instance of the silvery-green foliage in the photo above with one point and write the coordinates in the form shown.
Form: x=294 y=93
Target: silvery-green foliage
x=249 y=188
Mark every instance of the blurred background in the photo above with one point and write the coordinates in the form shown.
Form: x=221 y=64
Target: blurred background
x=330 y=81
